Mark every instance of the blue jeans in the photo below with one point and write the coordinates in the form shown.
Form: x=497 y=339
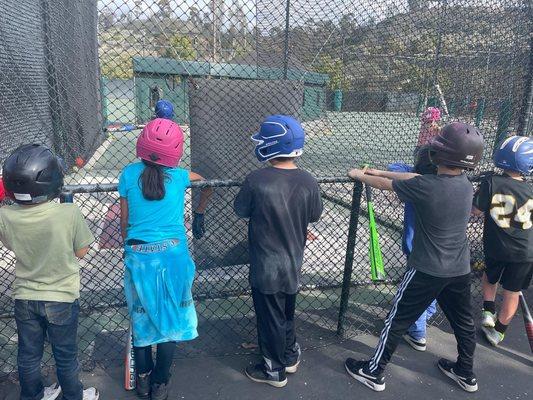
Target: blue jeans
x=59 y=322
x=418 y=330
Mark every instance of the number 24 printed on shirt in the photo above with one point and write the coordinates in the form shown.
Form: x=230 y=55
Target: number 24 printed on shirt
x=504 y=209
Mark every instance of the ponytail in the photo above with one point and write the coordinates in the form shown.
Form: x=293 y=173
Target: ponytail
x=152 y=181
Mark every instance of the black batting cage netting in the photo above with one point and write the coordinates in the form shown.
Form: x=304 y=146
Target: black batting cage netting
x=83 y=78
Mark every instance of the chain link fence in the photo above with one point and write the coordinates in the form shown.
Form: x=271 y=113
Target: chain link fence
x=83 y=77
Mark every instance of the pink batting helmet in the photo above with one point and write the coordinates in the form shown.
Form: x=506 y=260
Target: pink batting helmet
x=161 y=142
x=432 y=114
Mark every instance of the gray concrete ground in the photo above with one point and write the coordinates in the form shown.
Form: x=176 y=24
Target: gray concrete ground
x=503 y=373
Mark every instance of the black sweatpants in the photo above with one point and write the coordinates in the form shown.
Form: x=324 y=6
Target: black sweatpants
x=275 y=329
x=415 y=293
x=144 y=362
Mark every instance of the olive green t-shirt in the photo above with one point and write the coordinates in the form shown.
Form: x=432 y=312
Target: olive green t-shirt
x=44 y=238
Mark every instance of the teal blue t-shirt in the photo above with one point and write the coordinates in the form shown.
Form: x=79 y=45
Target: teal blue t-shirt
x=154 y=220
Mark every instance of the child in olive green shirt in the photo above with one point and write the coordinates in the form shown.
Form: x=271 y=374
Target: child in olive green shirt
x=46 y=237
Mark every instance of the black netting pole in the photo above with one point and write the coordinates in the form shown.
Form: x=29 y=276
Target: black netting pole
x=58 y=141
x=286 y=40
x=350 y=249
x=438 y=50
x=526 y=122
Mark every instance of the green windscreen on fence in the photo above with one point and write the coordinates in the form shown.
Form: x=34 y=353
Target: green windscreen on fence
x=49 y=77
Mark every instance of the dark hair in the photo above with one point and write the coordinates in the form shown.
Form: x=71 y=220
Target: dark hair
x=152 y=181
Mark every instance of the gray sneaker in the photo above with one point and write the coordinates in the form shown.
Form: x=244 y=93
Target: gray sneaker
x=492 y=335
x=488 y=319
x=91 y=394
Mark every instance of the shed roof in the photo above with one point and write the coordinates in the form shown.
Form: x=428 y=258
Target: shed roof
x=170 y=66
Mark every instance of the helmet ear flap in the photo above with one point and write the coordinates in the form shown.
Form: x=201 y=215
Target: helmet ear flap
x=432 y=155
x=423 y=163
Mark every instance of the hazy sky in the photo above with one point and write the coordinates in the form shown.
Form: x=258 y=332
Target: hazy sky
x=273 y=11
x=310 y=8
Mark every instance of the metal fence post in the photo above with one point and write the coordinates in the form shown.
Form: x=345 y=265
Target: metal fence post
x=350 y=250
x=66 y=197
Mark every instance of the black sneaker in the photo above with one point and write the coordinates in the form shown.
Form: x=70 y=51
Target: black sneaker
x=142 y=385
x=359 y=371
x=468 y=384
x=159 y=391
x=258 y=373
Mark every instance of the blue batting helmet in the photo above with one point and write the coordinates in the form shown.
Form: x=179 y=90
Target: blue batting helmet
x=164 y=109
x=515 y=154
x=279 y=136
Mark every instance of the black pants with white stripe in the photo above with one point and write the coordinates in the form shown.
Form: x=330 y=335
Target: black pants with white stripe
x=275 y=329
x=415 y=293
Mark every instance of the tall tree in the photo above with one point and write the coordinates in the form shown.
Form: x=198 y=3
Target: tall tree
x=180 y=47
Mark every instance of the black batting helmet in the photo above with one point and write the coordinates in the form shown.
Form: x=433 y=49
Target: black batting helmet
x=457 y=145
x=33 y=174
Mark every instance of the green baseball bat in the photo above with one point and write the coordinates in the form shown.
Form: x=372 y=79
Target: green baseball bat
x=377 y=271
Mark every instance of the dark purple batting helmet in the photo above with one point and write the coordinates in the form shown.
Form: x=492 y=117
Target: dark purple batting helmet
x=457 y=145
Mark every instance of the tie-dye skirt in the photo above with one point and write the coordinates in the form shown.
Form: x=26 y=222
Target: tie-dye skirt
x=158 y=280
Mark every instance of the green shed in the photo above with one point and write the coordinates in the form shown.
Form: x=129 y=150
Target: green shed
x=157 y=78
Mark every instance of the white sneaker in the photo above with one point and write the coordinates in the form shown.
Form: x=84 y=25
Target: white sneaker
x=488 y=319
x=493 y=336
x=291 y=369
x=51 y=392
x=417 y=344
x=91 y=394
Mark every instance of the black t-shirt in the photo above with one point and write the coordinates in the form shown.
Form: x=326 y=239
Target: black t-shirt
x=442 y=205
x=508 y=207
x=280 y=203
